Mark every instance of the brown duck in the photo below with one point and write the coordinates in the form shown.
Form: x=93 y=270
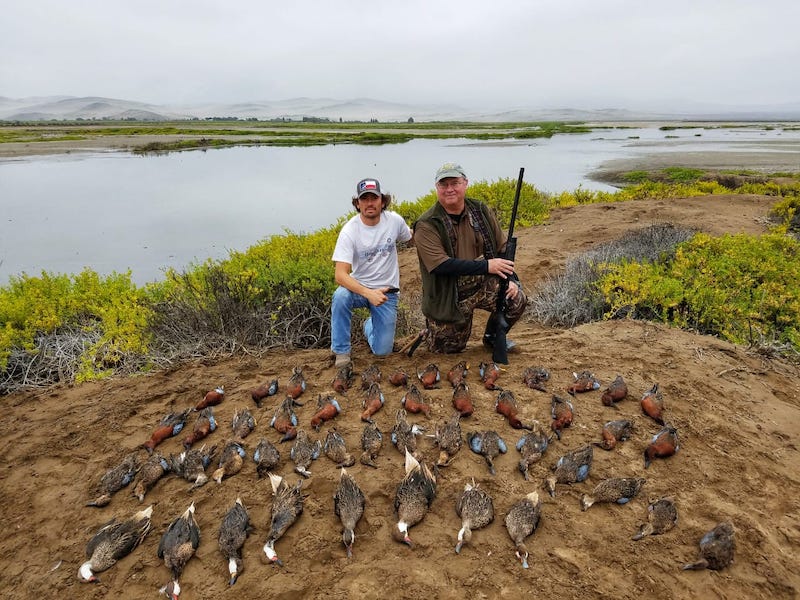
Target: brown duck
x=663 y=445
x=404 y=435
x=263 y=391
x=371 y=442
x=285 y=420
x=617 y=390
x=489 y=373
x=585 y=381
x=348 y=505
x=716 y=549
x=488 y=444
x=615 y=489
x=170 y=425
x=476 y=509
x=266 y=456
x=154 y=468
x=521 y=521
x=652 y=404
x=335 y=449
x=287 y=506
x=399 y=378
x=429 y=376
x=458 y=373
x=662 y=515
x=191 y=464
x=243 y=423
x=506 y=405
x=177 y=547
x=534 y=378
x=344 y=379
x=297 y=384
x=572 y=467
x=372 y=402
x=462 y=400
x=448 y=438
x=232 y=534
x=414 y=403
x=532 y=447
x=230 y=461
x=562 y=413
x=204 y=425
x=212 y=398
x=372 y=374
x=413 y=498
x=114 y=480
x=614 y=432
x=303 y=452
x=327 y=408
x=113 y=541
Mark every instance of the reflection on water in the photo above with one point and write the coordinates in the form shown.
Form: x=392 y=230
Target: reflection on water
x=116 y=211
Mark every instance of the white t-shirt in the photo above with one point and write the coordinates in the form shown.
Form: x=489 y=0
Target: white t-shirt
x=371 y=249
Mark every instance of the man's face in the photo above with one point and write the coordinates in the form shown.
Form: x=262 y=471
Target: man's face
x=451 y=192
x=369 y=205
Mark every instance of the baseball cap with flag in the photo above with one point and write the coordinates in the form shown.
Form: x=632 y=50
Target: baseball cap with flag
x=368 y=186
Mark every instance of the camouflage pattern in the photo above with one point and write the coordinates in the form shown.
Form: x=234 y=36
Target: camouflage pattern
x=449 y=338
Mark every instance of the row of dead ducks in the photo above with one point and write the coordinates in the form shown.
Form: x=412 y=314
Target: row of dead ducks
x=413 y=497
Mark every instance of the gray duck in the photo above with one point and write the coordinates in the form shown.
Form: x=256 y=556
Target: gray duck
x=448 y=438
x=113 y=541
x=192 y=464
x=114 y=480
x=476 y=510
x=266 y=456
x=662 y=515
x=616 y=489
x=488 y=444
x=413 y=497
x=335 y=449
x=614 y=432
x=521 y=521
x=303 y=452
x=153 y=469
x=232 y=535
x=404 y=436
x=534 y=378
x=176 y=548
x=243 y=423
x=230 y=461
x=573 y=467
x=370 y=375
x=716 y=549
x=371 y=443
x=532 y=447
x=348 y=504
x=287 y=506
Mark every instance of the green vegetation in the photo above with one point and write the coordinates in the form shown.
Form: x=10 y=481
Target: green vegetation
x=277 y=293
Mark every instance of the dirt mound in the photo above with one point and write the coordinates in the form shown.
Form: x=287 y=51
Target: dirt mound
x=737 y=416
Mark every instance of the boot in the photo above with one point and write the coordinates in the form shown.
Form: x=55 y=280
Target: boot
x=490 y=334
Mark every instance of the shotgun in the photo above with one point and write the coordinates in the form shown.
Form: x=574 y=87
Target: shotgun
x=499 y=351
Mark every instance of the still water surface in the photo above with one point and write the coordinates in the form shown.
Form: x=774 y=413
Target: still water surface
x=118 y=211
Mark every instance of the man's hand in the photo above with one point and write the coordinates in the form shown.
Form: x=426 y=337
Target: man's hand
x=376 y=297
x=501 y=267
x=513 y=290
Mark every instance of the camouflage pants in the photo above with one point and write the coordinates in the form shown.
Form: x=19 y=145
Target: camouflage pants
x=452 y=337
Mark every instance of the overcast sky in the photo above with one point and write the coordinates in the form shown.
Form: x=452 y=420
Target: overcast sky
x=473 y=53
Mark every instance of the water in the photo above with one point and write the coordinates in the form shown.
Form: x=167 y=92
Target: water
x=118 y=211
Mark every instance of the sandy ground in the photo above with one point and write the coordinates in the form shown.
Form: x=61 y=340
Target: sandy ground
x=737 y=415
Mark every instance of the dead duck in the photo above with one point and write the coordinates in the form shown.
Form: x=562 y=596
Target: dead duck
x=462 y=400
x=297 y=384
x=204 y=425
x=458 y=373
x=617 y=390
x=153 y=469
x=399 y=378
x=532 y=447
x=113 y=541
x=372 y=402
x=615 y=489
x=614 y=432
x=562 y=413
x=287 y=506
x=211 y=398
x=371 y=443
x=284 y=420
x=521 y=521
x=506 y=405
x=230 y=461
x=414 y=403
x=488 y=444
x=266 y=456
x=303 y=452
x=335 y=449
x=372 y=374
x=114 y=480
x=192 y=464
x=327 y=408
x=404 y=435
x=243 y=423
x=716 y=549
x=429 y=377
x=343 y=379
x=585 y=381
x=662 y=515
x=476 y=509
x=572 y=467
x=177 y=547
x=264 y=390
x=489 y=373
x=348 y=505
x=170 y=425
x=652 y=404
x=413 y=498
x=232 y=534
x=663 y=445
x=448 y=438
x=534 y=378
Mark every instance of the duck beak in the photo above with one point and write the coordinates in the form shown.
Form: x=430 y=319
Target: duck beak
x=408 y=541
x=523 y=559
x=458 y=547
x=233 y=578
x=349 y=551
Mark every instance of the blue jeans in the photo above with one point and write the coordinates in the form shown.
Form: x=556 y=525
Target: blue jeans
x=378 y=328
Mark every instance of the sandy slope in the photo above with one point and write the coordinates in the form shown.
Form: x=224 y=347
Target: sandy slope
x=738 y=417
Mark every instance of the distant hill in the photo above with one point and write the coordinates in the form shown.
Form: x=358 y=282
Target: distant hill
x=358 y=109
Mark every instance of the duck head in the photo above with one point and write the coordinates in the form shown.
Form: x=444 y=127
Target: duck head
x=171 y=590
x=235 y=569
x=464 y=537
x=522 y=555
x=85 y=573
x=349 y=538
x=400 y=534
x=271 y=555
